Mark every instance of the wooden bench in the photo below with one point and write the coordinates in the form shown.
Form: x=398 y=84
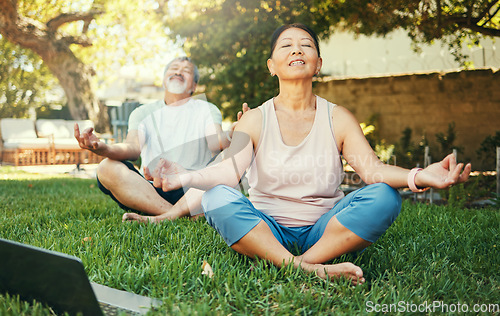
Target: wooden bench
x=64 y=146
x=43 y=142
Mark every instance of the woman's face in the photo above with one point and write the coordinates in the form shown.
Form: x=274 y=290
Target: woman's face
x=295 y=56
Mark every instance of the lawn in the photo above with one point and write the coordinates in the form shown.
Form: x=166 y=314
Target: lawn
x=433 y=258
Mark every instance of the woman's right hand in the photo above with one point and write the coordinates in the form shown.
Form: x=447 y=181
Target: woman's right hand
x=167 y=175
x=443 y=174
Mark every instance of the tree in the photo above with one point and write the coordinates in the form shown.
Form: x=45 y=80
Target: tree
x=85 y=41
x=23 y=80
x=53 y=46
x=229 y=39
x=455 y=22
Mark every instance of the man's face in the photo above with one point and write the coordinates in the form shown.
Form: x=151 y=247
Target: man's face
x=179 y=78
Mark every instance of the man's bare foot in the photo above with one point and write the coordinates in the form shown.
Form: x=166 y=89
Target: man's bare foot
x=168 y=216
x=197 y=216
x=345 y=269
x=131 y=217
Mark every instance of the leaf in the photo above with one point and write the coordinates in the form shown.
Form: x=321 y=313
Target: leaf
x=207 y=269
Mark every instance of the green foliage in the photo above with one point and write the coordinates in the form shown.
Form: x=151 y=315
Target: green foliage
x=385 y=152
x=229 y=40
x=408 y=153
x=487 y=151
x=372 y=135
x=96 y=38
x=48 y=112
x=130 y=34
x=457 y=23
x=447 y=141
x=496 y=200
x=430 y=253
x=457 y=196
x=479 y=187
x=124 y=33
x=24 y=80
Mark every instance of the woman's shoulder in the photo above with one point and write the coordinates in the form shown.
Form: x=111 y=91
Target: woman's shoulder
x=337 y=111
x=251 y=124
x=341 y=110
x=252 y=117
x=343 y=121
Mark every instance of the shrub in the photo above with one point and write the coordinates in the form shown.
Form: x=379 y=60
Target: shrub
x=487 y=151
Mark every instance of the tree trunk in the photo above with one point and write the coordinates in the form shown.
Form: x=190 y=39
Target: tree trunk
x=74 y=78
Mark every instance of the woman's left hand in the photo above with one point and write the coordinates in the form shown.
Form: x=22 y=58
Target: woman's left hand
x=443 y=174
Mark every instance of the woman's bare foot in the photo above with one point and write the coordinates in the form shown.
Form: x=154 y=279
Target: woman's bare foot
x=345 y=269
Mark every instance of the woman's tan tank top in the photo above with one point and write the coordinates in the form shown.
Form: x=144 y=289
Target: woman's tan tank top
x=296 y=184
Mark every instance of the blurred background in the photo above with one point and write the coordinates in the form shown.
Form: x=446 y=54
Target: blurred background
x=79 y=59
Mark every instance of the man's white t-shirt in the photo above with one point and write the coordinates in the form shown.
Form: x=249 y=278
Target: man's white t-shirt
x=176 y=133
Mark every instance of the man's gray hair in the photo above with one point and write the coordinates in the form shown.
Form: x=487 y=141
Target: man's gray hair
x=196 y=73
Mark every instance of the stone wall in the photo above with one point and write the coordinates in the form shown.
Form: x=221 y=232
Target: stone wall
x=426 y=103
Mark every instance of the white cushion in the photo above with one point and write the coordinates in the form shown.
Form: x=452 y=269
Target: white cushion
x=82 y=124
x=61 y=129
x=17 y=128
x=66 y=143
x=57 y=128
x=26 y=143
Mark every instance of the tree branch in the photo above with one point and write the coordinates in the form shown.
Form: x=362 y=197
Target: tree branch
x=491 y=16
x=78 y=40
x=471 y=24
x=485 y=30
x=8 y=11
x=486 y=10
x=19 y=29
x=64 y=18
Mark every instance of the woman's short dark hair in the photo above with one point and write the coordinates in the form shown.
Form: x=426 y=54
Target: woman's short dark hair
x=285 y=27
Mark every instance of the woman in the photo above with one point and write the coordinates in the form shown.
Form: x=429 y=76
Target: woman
x=295 y=213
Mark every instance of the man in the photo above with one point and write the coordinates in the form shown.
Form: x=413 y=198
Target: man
x=159 y=130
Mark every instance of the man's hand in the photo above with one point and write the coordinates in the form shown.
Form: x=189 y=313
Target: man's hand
x=88 y=140
x=244 y=109
x=166 y=175
x=443 y=174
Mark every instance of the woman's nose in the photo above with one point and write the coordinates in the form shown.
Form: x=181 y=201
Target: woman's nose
x=297 y=51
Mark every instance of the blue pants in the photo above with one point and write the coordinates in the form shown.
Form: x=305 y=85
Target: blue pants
x=367 y=212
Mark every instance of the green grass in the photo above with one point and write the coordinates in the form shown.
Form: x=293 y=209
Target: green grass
x=431 y=253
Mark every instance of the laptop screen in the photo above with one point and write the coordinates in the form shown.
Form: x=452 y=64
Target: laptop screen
x=49 y=277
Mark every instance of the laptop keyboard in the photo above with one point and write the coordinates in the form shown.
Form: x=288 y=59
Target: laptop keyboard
x=111 y=310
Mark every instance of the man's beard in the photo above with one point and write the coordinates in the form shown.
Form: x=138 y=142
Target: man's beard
x=176 y=86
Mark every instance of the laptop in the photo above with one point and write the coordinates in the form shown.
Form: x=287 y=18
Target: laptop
x=59 y=281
